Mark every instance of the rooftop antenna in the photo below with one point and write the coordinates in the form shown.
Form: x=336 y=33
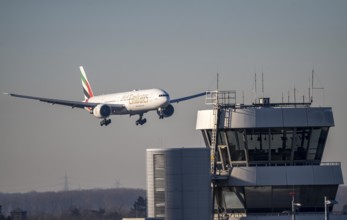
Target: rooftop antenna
x=309 y=90
x=294 y=94
x=262 y=82
x=243 y=97
x=217 y=81
x=255 y=87
x=313 y=87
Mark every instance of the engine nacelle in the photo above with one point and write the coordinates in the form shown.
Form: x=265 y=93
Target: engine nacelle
x=166 y=112
x=102 y=111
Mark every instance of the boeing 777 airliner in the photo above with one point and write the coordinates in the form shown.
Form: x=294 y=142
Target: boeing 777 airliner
x=136 y=102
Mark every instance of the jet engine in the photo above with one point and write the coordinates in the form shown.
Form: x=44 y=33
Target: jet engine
x=166 y=111
x=102 y=111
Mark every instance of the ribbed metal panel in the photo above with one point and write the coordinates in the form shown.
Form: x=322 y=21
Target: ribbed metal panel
x=179 y=183
x=159 y=184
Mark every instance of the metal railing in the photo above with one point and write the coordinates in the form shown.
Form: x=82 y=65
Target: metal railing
x=283 y=163
x=222 y=98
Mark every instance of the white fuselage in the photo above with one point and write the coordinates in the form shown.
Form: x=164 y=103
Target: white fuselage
x=134 y=102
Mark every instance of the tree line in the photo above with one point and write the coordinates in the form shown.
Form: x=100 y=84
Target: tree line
x=78 y=204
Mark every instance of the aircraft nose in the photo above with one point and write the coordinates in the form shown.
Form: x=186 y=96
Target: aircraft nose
x=164 y=98
x=167 y=99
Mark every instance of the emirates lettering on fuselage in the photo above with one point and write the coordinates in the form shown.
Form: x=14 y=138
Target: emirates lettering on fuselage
x=138 y=99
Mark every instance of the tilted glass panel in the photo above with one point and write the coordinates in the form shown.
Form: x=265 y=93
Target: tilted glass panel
x=236 y=144
x=313 y=145
x=321 y=143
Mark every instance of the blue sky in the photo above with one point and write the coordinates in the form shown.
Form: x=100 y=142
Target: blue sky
x=178 y=46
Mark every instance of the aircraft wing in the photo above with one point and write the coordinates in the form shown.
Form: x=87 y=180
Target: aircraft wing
x=72 y=104
x=187 y=97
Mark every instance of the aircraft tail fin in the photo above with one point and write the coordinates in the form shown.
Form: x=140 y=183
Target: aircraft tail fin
x=87 y=89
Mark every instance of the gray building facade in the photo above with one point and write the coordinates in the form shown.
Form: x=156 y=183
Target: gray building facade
x=179 y=183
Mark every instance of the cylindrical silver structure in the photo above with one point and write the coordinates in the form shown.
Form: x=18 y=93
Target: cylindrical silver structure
x=179 y=183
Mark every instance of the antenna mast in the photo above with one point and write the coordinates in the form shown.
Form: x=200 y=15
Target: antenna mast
x=309 y=90
x=262 y=83
x=312 y=84
x=313 y=87
x=255 y=87
x=294 y=94
x=243 y=97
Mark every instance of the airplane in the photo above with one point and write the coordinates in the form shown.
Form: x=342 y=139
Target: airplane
x=136 y=102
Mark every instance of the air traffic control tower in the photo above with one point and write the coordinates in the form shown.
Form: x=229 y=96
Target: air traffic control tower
x=266 y=158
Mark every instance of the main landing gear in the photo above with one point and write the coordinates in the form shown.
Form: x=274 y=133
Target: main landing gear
x=105 y=122
x=141 y=120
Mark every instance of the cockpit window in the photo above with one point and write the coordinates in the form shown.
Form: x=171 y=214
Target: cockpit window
x=163 y=95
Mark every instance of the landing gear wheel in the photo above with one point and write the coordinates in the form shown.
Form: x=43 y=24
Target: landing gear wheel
x=141 y=120
x=105 y=122
x=108 y=121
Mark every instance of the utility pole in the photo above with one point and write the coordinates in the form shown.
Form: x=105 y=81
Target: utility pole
x=66 y=183
x=294 y=204
x=326 y=213
x=328 y=203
